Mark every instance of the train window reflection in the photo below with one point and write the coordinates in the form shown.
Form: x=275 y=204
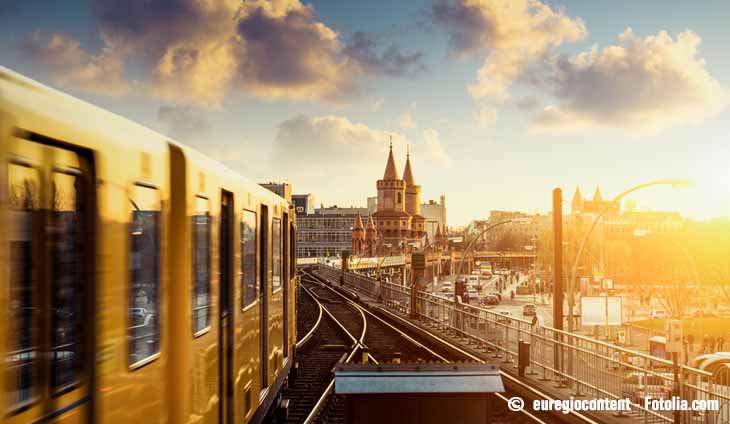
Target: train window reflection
x=144 y=275
x=275 y=254
x=65 y=237
x=24 y=200
x=248 y=257
x=201 y=265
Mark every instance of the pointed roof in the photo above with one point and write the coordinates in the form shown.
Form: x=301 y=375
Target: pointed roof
x=438 y=229
x=407 y=173
x=597 y=195
x=391 y=173
x=358 y=222
x=577 y=196
x=371 y=223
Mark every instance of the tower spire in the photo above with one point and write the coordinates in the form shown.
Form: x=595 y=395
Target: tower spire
x=597 y=195
x=407 y=172
x=391 y=172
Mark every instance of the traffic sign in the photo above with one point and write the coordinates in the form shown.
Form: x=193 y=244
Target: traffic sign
x=418 y=261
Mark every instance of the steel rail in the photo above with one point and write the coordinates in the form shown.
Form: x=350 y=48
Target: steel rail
x=354 y=348
x=314 y=328
x=391 y=326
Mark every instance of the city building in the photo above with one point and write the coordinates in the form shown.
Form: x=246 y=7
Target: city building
x=372 y=204
x=303 y=203
x=336 y=210
x=618 y=224
x=282 y=189
x=435 y=214
x=514 y=235
x=397 y=223
x=325 y=233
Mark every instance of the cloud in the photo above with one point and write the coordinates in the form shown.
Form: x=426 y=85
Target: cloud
x=434 y=149
x=362 y=48
x=510 y=33
x=486 y=116
x=405 y=120
x=63 y=60
x=527 y=103
x=331 y=154
x=184 y=124
x=377 y=104
x=642 y=85
x=198 y=51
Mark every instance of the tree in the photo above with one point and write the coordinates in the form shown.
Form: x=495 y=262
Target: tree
x=663 y=262
x=507 y=241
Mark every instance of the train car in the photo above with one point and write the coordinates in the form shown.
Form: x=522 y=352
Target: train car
x=142 y=281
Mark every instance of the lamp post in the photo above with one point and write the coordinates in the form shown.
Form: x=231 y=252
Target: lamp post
x=612 y=203
x=471 y=243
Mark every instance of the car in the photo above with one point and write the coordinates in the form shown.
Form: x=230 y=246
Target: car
x=640 y=385
x=529 y=309
x=473 y=294
x=499 y=295
x=658 y=314
x=446 y=286
x=490 y=300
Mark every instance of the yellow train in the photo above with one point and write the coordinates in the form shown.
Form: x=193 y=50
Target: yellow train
x=141 y=282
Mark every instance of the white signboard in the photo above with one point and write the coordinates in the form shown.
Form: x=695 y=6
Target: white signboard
x=601 y=310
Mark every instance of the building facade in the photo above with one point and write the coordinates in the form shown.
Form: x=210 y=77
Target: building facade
x=397 y=224
x=435 y=214
x=282 y=189
x=303 y=203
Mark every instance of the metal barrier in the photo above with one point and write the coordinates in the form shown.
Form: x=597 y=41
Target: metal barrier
x=578 y=365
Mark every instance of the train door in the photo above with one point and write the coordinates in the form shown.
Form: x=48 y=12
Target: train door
x=286 y=280
x=263 y=289
x=50 y=292
x=225 y=330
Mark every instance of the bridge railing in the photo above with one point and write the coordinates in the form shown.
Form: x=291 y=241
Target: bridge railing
x=579 y=365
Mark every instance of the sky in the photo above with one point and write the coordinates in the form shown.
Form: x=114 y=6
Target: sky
x=497 y=101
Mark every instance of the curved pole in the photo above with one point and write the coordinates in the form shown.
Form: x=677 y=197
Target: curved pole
x=471 y=243
x=571 y=283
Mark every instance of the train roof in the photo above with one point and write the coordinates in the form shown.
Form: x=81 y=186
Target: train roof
x=21 y=94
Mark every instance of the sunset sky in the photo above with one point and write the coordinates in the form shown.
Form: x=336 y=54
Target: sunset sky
x=500 y=101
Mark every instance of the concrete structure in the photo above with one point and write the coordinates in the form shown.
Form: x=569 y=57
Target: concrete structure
x=435 y=214
x=523 y=233
x=282 y=189
x=616 y=224
x=324 y=234
x=303 y=203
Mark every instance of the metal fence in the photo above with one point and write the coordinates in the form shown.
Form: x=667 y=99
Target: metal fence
x=574 y=365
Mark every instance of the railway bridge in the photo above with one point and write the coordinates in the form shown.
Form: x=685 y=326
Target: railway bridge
x=562 y=366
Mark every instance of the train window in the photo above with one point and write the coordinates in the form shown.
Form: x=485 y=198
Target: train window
x=248 y=257
x=275 y=254
x=24 y=201
x=201 y=265
x=144 y=275
x=65 y=235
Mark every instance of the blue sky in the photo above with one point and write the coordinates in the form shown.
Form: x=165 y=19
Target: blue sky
x=311 y=106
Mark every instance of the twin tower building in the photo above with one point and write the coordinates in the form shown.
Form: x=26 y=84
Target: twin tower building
x=397 y=225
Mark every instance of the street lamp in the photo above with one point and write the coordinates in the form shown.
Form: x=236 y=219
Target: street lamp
x=471 y=243
x=612 y=203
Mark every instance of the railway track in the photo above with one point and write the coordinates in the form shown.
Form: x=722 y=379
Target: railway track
x=383 y=342
x=513 y=387
x=324 y=343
